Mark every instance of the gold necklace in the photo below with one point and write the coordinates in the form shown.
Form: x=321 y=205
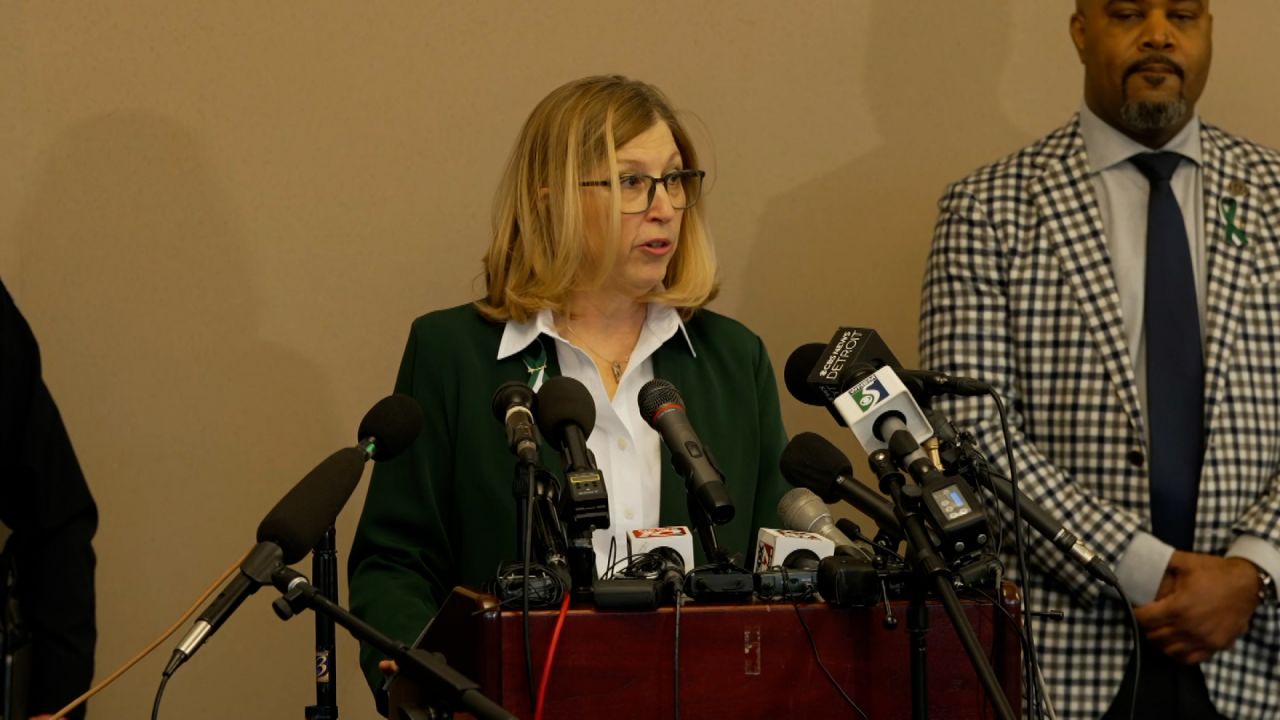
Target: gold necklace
x=615 y=365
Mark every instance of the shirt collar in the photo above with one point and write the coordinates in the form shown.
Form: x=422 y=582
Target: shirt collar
x=1107 y=146
x=661 y=321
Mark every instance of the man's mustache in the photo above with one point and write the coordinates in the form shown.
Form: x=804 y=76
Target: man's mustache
x=1156 y=59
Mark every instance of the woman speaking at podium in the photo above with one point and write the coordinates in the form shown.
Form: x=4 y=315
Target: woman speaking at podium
x=599 y=268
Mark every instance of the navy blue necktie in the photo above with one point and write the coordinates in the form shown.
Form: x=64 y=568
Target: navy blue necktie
x=1175 y=364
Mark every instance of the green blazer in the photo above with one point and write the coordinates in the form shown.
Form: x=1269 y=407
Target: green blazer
x=442 y=514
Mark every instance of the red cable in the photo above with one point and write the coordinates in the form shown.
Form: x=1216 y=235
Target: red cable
x=551 y=655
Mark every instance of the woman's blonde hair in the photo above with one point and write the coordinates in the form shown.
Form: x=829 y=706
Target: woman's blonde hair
x=540 y=253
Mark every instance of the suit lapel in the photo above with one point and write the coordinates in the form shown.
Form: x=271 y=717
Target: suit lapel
x=1065 y=198
x=1230 y=216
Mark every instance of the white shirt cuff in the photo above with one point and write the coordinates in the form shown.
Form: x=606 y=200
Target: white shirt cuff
x=1142 y=566
x=1259 y=552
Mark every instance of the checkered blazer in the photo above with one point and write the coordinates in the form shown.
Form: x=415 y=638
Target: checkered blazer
x=1019 y=291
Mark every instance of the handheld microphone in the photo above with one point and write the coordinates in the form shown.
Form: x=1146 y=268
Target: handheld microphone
x=811 y=461
x=662 y=407
x=513 y=407
x=299 y=520
x=801 y=509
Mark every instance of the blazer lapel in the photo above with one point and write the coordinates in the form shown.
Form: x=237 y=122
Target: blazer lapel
x=1230 y=216
x=1065 y=198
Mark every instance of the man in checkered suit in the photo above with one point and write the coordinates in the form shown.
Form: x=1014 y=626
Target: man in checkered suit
x=1036 y=284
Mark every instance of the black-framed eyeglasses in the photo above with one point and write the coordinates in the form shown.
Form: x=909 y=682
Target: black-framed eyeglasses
x=637 y=191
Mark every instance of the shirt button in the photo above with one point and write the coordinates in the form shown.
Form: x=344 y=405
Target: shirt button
x=629 y=514
x=622 y=443
x=1136 y=458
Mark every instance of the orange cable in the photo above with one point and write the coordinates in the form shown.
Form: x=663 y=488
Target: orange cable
x=155 y=643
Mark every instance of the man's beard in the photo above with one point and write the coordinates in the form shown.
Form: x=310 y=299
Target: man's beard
x=1145 y=116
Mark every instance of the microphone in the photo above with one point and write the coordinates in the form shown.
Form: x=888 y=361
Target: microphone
x=390 y=427
x=873 y=395
x=881 y=396
x=800 y=509
x=677 y=538
x=816 y=373
x=566 y=416
x=790 y=548
x=662 y=407
x=513 y=407
x=1049 y=526
x=299 y=520
x=811 y=461
x=849 y=356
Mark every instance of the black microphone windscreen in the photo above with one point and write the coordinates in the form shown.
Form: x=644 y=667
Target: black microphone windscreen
x=811 y=461
x=511 y=393
x=564 y=401
x=656 y=394
x=796 y=374
x=393 y=422
x=297 y=523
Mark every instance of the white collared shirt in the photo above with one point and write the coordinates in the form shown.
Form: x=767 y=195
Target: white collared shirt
x=627 y=451
x=1122 y=191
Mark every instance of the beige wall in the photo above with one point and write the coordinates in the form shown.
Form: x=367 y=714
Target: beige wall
x=220 y=218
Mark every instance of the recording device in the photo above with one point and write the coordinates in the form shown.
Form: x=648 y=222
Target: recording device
x=662 y=407
x=299 y=520
x=846 y=581
x=962 y=458
x=657 y=561
x=787 y=564
x=953 y=512
x=513 y=407
x=811 y=461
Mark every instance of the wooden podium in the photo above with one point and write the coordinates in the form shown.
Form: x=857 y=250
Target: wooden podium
x=749 y=660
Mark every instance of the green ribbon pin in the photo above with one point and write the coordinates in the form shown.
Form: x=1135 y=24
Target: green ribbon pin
x=1227 y=208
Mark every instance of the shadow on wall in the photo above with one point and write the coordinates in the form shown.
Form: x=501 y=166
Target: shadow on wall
x=188 y=422
x=852 y=243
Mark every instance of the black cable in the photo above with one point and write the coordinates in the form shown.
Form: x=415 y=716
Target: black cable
x=1023 y=640
x=1137 y=653
x=524 y=594
x=1032 y=660
x=813 y=644
x=155 y=706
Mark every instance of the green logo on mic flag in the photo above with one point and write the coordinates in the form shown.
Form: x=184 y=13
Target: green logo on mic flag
x=868 y=394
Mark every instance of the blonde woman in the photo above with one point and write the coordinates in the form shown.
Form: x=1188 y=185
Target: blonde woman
x=599 y=269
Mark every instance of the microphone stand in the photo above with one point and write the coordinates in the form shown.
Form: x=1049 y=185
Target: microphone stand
x=450 y=689
x=324 y=566
x=930 y=568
